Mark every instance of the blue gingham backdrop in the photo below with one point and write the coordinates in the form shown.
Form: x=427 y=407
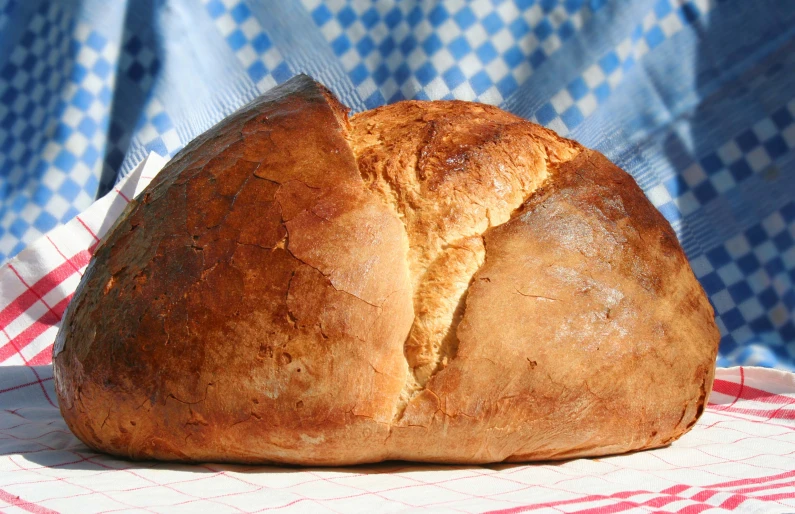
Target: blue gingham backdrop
x=695 y=98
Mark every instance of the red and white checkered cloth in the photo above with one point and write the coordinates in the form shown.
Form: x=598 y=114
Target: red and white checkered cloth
x=739 y=457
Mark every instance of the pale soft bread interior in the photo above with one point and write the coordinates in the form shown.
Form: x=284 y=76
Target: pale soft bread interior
x=413 y=156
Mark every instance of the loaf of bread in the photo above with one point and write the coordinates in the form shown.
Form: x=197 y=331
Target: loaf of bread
x=426 y=281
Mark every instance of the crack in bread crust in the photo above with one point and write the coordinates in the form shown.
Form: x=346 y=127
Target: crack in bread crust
x=450 y=173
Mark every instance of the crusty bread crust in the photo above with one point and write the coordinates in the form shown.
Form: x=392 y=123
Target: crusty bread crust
x=431 y=281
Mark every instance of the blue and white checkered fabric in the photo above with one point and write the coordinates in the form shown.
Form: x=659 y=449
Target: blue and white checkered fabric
x=695 y=98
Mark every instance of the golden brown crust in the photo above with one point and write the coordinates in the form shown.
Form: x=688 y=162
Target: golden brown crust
x=435 y=281
x=450 y=170
x=605 y=343
x=252 y=306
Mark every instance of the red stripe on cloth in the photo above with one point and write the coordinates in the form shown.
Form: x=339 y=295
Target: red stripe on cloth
x=703 y=496
x=16 y=345
x=764 y=487
x=524 y=508
x=627 y=494
x=42 y=358
x=626 y=505
x=43 y=286
x=40 y=381
x=43 y=389
x=745 y=392
x=669 y=495
x=45 y=355
x=286 y=504
x=766 y=422
x=780 y=413
x=20 y=386
x=60 y=307
x=758 y=480
x=51 y=317
x=742 y=385
x=10 y=348
x=87 y=228
x=122 y=195
x=77 y=269
x=675 y=489
x=39 y=294
x=14 y=309
x=603 y=509
x=606 y=509
x=732 y=502
x=776 y=497
x=16 y=501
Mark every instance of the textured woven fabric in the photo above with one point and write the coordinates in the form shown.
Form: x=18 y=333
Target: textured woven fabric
x=695 y=98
